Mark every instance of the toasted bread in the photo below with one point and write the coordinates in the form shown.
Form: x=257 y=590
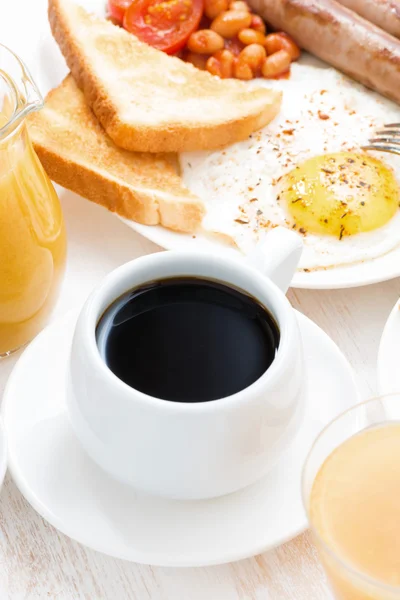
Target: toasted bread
x=148 y=101
x=77 y=153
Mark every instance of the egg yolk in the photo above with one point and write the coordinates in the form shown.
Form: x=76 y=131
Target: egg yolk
x=340 y=194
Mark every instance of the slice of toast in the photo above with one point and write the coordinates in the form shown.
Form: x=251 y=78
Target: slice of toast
x=148 y=101
x=77 y=153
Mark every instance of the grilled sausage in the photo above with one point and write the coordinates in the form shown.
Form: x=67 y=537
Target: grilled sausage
x=384 y=13
x=340 y=37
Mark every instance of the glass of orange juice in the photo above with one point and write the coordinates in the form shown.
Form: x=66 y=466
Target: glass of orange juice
x=32 y=232
x=351 y=492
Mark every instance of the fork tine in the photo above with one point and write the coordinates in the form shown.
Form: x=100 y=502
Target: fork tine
x=382 y=148
x=385 y=140
x=386 y=132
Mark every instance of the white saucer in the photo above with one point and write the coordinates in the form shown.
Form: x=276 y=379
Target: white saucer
x=388 y=356
x=73 y=494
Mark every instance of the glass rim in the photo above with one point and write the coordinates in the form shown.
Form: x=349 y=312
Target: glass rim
x=395 y=590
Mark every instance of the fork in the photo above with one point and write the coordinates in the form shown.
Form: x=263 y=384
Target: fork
x=386 y=139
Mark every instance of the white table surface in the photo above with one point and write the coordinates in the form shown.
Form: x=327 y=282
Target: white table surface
x=37 y=562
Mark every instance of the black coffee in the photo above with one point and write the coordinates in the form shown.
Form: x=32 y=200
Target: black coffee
x=187 y=339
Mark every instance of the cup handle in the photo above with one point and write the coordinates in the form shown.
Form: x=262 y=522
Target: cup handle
x=277 y=256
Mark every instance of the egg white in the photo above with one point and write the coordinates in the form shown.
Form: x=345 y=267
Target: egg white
x=322 y=112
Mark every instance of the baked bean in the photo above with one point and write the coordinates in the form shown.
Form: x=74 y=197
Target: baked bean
x=226 y=61
x=257 y=24
x=205 y=41
x=229 y=23
x=251 y=36
x=243 y=71
x=213 y=8
x=253 y=55
x=197 y=60
x=213 y=66
x=273 y=43
x=239 y=5
x=276 y=64
x=280 y=41
x=234 y=45
x=290 y=46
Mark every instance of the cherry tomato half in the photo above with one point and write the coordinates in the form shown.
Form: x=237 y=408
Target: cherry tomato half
x=164 y=24
x=118 y=8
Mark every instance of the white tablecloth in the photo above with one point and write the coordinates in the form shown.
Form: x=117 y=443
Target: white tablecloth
x=37 y=562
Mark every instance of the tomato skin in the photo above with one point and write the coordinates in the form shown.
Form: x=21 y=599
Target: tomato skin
x=175 y=48
x=118 y=8
x=164 y=24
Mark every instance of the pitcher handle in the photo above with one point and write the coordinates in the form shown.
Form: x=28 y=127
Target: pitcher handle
x=277 y=256
x=22 y=88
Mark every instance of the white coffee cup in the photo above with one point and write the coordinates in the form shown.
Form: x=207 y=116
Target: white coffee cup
x=191 y=450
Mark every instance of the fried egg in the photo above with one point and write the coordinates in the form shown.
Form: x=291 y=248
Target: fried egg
x=307 y=171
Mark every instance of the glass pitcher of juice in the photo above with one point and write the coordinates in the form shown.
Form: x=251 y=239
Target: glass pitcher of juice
x=32 y=231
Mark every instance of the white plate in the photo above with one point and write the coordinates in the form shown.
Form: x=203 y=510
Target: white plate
x=30 y=37
x=3 y=453
x=389 y=352
x=374 y=271
x=78 y=498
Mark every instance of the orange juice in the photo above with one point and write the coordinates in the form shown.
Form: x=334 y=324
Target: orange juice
x=32 y=242
x=355 y=510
